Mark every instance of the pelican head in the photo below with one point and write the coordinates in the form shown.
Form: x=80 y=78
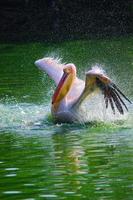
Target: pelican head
x=65 y=83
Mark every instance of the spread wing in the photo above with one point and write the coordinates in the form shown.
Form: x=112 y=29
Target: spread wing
x=52 y=67
x=112 y=94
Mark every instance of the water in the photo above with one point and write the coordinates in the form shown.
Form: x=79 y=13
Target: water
x=43 y=160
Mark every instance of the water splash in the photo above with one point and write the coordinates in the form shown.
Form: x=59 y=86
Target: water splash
x=94 y=110
x=21 y=116
x=98 y=69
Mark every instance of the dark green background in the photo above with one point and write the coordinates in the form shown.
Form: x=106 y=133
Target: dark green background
x=26 y=20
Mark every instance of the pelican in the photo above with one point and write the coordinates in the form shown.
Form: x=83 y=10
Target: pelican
x=71 y=92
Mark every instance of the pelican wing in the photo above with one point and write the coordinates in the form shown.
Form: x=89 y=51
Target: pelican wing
x=52 y=67
x=112 y=94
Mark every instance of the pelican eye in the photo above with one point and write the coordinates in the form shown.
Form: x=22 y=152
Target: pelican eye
x=67 y=70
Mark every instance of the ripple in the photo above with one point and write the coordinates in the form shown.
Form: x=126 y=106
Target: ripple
x=11 y=169
x=69 y=192
x=29 y=184
x=10 y=175
x=49 y=195
x=12 y=192
x=30 y=199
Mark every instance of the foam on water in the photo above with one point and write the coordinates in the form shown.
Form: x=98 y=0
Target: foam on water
x=22 y=116
x=93 y=109
x=25 y=116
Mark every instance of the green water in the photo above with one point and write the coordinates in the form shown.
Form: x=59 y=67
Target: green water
x=43 y=160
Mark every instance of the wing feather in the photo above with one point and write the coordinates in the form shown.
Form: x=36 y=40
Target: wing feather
x=53 y=67
x=112 y=94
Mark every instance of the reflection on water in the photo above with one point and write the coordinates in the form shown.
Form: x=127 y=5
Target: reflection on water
x=40 y=159
x=43 y=160
x=72 y=162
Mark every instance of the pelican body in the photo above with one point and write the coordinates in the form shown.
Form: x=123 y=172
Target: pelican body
x=71 y=92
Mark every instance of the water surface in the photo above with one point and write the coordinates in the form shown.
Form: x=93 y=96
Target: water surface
x=43 y=160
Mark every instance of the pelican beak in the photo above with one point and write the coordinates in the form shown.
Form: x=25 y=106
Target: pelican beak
x=61 y=89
